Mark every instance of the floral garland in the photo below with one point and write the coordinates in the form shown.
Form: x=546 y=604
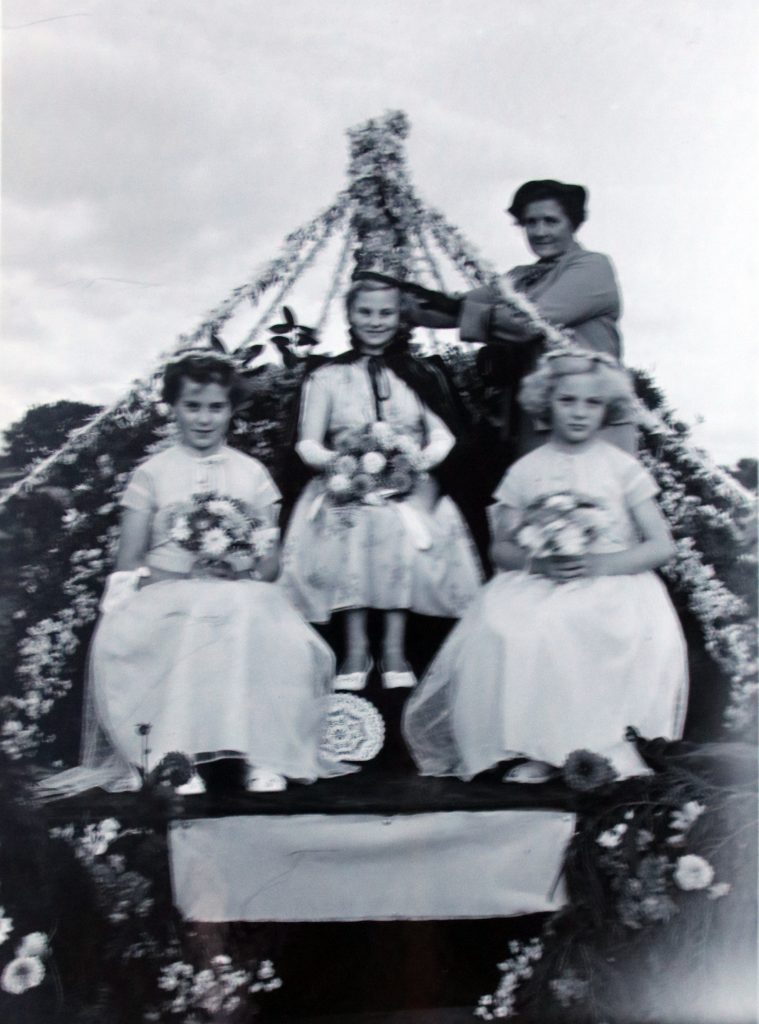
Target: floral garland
x=127 y=868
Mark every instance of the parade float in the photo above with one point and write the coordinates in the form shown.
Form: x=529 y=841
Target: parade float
x=584 y=899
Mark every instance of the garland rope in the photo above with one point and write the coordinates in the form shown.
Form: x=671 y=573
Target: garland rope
x=337 y=279
x=293 y=244
x=465 y=258
x=327 y=226
x=272 y=272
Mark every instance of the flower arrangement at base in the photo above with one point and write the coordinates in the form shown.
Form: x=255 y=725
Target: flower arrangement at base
x=220 y=531
x=563 y=523
x=373 y=463
x=660 y=920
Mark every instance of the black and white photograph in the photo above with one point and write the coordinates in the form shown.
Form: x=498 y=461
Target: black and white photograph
x=378 y=512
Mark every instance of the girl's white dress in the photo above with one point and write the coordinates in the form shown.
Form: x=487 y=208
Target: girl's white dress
x=538 y=668
x=215 y=667
x=375 y=556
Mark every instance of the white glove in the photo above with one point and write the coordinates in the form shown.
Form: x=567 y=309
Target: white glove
x=314 y=454
x=120 y=588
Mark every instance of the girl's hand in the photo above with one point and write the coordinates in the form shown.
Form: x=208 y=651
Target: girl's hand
x=561 y=568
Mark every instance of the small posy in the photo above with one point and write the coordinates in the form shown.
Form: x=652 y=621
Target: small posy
x=563 y=523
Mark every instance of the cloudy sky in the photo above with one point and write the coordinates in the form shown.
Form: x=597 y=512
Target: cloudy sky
x=156 y=152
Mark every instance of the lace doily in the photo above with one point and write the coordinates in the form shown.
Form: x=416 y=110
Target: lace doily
x=354 y=730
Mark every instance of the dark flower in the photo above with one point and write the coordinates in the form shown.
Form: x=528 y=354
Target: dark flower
x=174 y=768
x=400 y=482
x=584 y=771
x=143 y=728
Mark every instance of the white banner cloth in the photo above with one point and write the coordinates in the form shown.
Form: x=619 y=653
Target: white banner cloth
x=359 y=867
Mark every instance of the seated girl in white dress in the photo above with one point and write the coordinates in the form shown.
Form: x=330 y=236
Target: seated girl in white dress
x=352 y=545
x=575 y=638
x=207 y=651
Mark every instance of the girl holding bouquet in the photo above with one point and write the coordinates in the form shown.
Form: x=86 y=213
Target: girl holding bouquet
x=197 y=649
x=575 y=638
x=370 y=530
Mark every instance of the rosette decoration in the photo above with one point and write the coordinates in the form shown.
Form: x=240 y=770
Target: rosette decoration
x=354 y=728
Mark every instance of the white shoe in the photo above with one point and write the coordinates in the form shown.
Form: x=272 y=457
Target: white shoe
x=261 y=780
x=353 y=680
x=405 y=680
x=194 y=787
x=533 y=772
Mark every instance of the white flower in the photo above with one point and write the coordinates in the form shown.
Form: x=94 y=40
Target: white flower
x=530 y=537
x=109 y=827
x=693 y=872
x=338 y=484
x=373 y=462
x=683 y=819
x=23 y=973
x=570 y=541
x=33 y=944
x=612 y=837
x=181 y=529
x=221 y=507
x=6 y=926
x=266 y=970
x=383 y=434
x=718 y=890
x=173 y=974
x=215 y=542
x=204 y=981
x=347 y=464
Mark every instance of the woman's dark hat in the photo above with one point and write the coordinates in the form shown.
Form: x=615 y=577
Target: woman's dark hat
x=572 y=198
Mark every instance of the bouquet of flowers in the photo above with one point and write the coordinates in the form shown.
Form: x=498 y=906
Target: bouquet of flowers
x=220 y=531
x=563 y=524
x=373 y=463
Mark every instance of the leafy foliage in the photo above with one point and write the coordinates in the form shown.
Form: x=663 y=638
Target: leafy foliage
x=42 y=429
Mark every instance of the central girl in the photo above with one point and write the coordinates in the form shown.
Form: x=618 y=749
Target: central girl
x=399 y=548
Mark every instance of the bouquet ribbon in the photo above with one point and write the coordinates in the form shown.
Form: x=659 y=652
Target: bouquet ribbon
x=414 y=525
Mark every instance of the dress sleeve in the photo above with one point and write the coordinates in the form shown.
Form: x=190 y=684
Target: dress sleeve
x=511 y=490
x=140 y=493
x=637 y=483
x=265 y=491
x=316 y=408
x=584 y=290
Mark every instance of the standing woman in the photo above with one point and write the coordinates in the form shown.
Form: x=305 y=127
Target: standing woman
x=411 y=553
x=570 y=287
